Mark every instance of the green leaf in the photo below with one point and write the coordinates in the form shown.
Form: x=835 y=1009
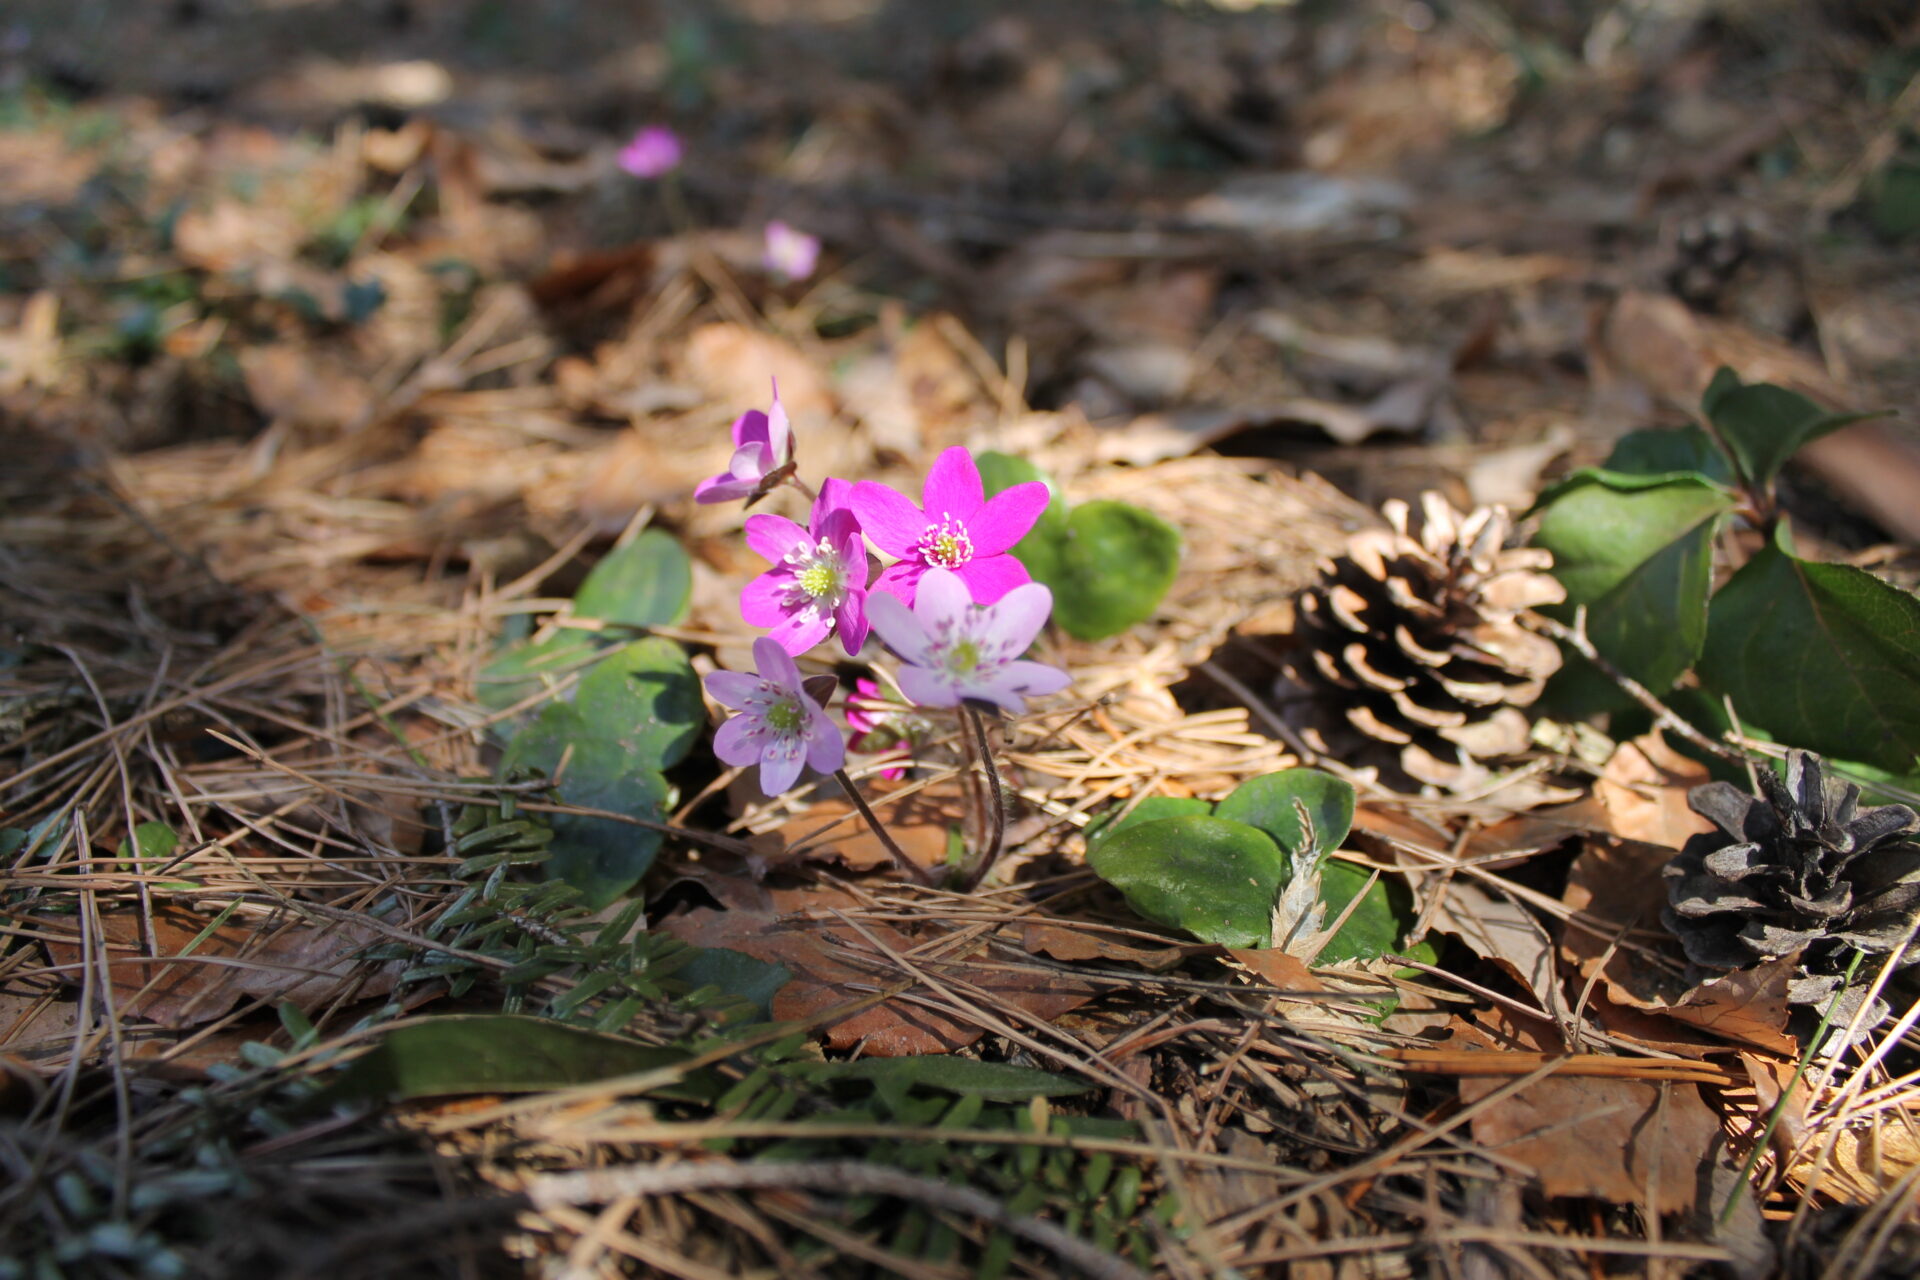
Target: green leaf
x=601 y=857
x=645 y=698
x=1151 y=809
x=647 y=583
x=1000 y=471
x=1657 y=455
x=1895 y=200
x=1822 y=656
x=516 y=674
x=1641 y=561
x=504 y=1053
x=1267 y=803
x=1109 y=566
x=154 y=840
x=1214 y=878
x=969 y=1077
x=737 y=974
x=1375 y=926
x=1764 y=425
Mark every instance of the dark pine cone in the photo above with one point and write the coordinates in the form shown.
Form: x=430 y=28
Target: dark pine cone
x=1805 y=870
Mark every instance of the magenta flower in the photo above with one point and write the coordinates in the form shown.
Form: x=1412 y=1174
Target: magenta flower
x=819 y=577
x=762 y=455
x=879 y=726
x=790 y=254
x=958 y=651
x=779 y=727
x=959 y=530
x=654 y=150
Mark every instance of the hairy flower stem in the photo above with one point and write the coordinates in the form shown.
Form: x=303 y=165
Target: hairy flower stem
x=997 y=824
x=805 y=488
x=900 y=857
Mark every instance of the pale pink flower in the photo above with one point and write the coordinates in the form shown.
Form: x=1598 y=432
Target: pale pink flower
x=958 y=651
x=762 y=452
x=819 y=577
x=959 y=529
x=780 y=727
x=790 y=254
x=655 y=150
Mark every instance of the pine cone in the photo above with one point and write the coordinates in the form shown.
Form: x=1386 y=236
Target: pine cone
x=1411 y=637
x=1806 y=870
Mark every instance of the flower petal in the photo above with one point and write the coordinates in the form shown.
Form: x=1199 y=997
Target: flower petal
x=763 y=602
x=1018 y=617
x=989 y=578
x=896 y=626
x=731 y=688
x=771 y=537
x=779 y=435
x=826 y=750
x=777 y=666
x=887 y=517
x=927 y=687
x=1037 y=679
x=835 y=495
x=901 y=581
x=953 y=487
x=722 y=488
x=799 y=632
x=779 y=770
x=1007 y=517
x=735 y=743
x=750 y=426
x=851 y=619
x=941 y=600
x=853 y=555
x=751 y=461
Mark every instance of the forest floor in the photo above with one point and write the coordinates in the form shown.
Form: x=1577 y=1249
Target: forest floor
x=337 y=349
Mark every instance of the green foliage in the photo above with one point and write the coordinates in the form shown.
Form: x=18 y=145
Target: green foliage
x=1150 y=809
x=968 y=1077
x=647 y=583
x=1109 y=564
x=1826 y=656
x=1820 y=656
x=1219 y=877
x=506 y=1053
x=152 y=841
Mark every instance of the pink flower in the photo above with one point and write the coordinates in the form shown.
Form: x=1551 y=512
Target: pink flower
x=958 y=651
x=819 y=576
x=654 y=150
x=780 y=728
x=791 y=254
x=762 y=454
x=880 y=726
x=959 y=530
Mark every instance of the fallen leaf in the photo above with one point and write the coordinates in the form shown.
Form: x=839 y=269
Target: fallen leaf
x=1066 y=942
x=1505 y=934
x=918 y=822
x=1620 y=1140
x=1864 y=1163
x=304 y=387
x=1277 y=969
x=304 y=963
x=833 y=965
x=733 y=363
x=1642 y=795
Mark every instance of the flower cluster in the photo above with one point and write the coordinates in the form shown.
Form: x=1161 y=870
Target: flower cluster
x=955 y=605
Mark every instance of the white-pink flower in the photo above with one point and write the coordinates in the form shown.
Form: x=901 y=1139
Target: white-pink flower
x=762 y=447
x=655 y=150
x=779 y=727
x=791 y=254
x=958 y=651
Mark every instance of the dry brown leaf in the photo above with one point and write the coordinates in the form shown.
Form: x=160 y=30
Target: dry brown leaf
x=1642 y=795
x=304 y=387
x=30 y=352
x=732 y=364
x=833 y=965
x=1865 y=1161
x=1504 y=933
x=1621 y=1140
x=1066 y=942
x=919 y=822
x=306 y=964
x=1277 y=969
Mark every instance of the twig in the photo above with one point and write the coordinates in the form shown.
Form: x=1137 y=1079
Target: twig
x=1575 y=637
x=997 y=824
x=846 y=1177
x=900 y=857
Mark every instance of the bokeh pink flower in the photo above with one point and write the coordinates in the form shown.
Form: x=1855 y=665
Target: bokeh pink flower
x=790 y=254
x=654 y=151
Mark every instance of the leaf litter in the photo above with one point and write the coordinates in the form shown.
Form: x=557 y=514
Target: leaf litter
x=311 y=403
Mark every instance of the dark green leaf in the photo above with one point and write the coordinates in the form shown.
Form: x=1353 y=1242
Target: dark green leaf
x=1659 y=454
x=647 y=583
x=1823 y=656
x=1267 y=803
x=1214 y=878
x=1763 y=425
x=737 y=974
x=522 y=671
x=1375 y=926
x=1641 y=563
x=997 y=1081
x=504 y=1053
x=1000 y=471
x=154 y=840
x=645 y=698
x=1150 y=809
x=1109 y=566
x=1895 y=200
x=601 y=857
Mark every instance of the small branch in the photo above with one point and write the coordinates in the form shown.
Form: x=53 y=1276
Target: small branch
x=900 y=857
x=1575 y=637
x=843 y=1177
x=997 y=825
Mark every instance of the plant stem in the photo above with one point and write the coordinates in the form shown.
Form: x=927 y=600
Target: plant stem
x=803 y=487
x=997 y=825
x=900 y=857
